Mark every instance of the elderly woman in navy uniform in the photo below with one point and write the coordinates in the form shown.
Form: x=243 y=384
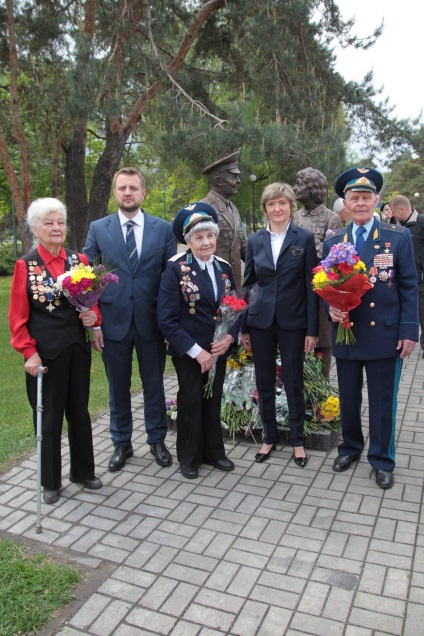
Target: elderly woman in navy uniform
x=385 y=325
x=49 y=331
x=189 y=296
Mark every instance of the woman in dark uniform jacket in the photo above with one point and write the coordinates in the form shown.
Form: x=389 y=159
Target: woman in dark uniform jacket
x=283 y=312
x=189 y=297
x=49 y=332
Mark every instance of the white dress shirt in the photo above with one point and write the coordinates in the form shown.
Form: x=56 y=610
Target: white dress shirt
x=138 y=228
x=277 y=241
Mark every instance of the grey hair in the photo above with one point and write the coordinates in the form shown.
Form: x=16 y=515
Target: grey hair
x=202 y=226
x=338 y=205
x=39 y=209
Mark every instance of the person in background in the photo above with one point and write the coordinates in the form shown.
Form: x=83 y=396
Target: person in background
x=407 y=217
x=189 y=297
x=310 y=190
x=386 y=213
x=137 y=247
x=339 y=208
x=385 y=325
x=48 y=331
x=283 y=312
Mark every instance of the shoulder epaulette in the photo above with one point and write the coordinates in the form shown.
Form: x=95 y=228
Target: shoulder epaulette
x=218 y=258
x=177 y=256
x=338 y=232
x=392 y=227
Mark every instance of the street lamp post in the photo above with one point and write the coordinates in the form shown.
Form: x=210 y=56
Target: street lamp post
x=417 y=196
x=164 y=203
x=253 y=181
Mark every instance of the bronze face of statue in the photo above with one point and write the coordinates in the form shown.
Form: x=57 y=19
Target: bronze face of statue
x=310 y=188
x=223 y=176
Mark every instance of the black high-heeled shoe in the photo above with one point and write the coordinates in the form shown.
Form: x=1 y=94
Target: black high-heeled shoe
x=300 y=461
x=261 y=457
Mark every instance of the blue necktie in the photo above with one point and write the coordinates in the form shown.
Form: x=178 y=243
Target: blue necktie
x=131 y=246
x=209 y=280
x=360 y=241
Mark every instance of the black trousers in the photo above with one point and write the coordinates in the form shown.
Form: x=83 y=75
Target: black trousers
x=66 y=388
x=264 y=346
x=199 y=434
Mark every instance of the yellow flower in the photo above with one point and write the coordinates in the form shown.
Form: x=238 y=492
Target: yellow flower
x=360 y=266
x=319 y=278
x=330 y=408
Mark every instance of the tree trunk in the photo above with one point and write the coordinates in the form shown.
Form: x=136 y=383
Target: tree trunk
x=76 y=189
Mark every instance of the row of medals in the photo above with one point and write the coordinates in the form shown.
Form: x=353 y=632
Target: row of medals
x=43 y=290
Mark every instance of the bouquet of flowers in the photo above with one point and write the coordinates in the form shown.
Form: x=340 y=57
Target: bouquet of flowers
x=171 y=411
x=341 y=280
x=240 y=413
x=229 y=311
x=83 y=285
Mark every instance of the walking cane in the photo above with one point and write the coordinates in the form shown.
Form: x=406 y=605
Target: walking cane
x=39 y=437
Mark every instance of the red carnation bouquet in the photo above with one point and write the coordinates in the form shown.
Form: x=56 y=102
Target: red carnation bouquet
x=228 y=313
x=341 y=280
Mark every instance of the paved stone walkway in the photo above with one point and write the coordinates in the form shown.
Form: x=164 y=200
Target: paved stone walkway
x=269 y=549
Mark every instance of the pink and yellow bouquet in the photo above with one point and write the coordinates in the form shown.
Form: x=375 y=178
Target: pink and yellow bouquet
x=83 y=285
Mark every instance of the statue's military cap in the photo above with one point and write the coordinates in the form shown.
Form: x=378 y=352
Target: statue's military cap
x=359 y=179
x=226 y=164
x=191 y=214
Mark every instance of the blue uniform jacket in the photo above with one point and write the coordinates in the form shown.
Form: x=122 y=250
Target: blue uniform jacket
x=389 y=311
x=136 y=293
x=187 y=310
x=284 y=291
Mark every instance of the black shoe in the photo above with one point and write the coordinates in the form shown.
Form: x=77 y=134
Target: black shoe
x=221 y=464
x=384 y=478
x=343 y=462
x=261 y=457
x=92 y=484
x=119 y=457
x=161 y=453
x=189 y=472
x=51 y=496
x=300 y=461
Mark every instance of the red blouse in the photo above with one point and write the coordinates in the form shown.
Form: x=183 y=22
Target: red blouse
x=19 y=308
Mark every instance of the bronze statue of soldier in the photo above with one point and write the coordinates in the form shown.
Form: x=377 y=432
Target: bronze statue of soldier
x=310 y=190
x=223 y=176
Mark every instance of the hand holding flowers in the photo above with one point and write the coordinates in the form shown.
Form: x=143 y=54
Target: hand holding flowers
x=83 y=285
x=341 y=280
x=230 y=309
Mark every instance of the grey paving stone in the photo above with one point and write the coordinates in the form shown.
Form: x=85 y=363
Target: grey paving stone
x=335 y=544
x=158 y=593
x=153 y=621
x=134 y=576
x=338 y=604
x=222 y=576
x=276 y=597
x=376 y=621
x=219 y=600
x=316 y=625
x=243 y=582
x=121 y=590
x=209 y=616
x=140 y=527
x=90 y=611
x=373 y=578
x=314 y=598
x=275 y=622
x=111 y=616
x=179 y=599
x=249 y=619
x=389 y=606
x=200 y=562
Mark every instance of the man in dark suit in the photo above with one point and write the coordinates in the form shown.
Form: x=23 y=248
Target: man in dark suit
x=137 y=247
x=385 y=325
x=407 y=217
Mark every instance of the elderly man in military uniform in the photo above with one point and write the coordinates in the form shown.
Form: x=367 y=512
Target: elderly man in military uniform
x=385 y=325
x=310 y=190
x=223 y=176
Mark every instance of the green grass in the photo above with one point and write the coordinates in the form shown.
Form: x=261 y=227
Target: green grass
x=16 y=430
x=32 y=588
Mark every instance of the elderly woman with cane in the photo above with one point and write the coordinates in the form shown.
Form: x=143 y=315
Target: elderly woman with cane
x=49 y=332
